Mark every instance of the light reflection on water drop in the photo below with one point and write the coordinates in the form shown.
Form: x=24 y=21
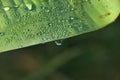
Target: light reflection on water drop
x=58 y=42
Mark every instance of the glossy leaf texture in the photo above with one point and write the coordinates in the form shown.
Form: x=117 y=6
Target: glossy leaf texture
x=29 y=22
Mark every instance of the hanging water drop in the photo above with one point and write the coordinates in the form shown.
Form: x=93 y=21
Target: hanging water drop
x=58 y=42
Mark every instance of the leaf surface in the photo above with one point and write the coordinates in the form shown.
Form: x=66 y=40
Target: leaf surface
x=29 y=22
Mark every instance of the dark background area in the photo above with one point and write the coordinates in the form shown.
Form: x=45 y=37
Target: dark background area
x=90 y=56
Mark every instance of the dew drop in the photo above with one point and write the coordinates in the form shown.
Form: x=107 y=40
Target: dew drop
x=58 y=42
x=6 y=8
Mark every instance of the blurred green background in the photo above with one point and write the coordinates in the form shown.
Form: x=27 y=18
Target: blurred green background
x=90 y=56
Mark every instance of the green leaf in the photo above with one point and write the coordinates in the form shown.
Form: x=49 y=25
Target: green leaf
x=29 y=22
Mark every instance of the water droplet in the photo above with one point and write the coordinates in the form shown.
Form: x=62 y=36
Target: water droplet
x=6 y=8
x=58 y=42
